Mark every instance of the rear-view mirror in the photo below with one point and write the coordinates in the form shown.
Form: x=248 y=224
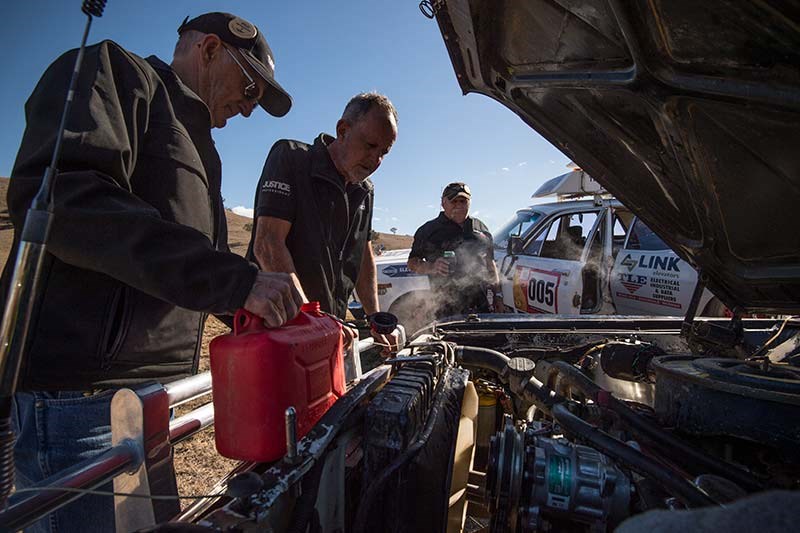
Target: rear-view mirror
x=514 y=246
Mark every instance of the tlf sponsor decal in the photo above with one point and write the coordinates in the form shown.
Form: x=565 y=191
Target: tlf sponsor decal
x=632 y=283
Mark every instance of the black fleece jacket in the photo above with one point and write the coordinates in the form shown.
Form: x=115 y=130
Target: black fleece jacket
x=138 y=248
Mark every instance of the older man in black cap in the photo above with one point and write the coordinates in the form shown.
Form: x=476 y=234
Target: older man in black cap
x=456 y=252
x=138 y=252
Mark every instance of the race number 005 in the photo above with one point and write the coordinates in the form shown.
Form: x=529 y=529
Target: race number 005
x=542 y=292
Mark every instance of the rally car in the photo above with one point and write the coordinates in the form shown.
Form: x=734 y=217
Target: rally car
x=568 y=257
x=594 y=258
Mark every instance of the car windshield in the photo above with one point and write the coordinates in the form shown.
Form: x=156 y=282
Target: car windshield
x=516 y=227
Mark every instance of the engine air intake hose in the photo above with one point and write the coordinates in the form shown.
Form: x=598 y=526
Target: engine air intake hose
x=483 y=358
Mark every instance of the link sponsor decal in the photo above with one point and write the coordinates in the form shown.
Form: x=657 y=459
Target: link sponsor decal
x=661 y=287
x=536 y=291
x=628 y=263
x=398 y=271
x=652 y=262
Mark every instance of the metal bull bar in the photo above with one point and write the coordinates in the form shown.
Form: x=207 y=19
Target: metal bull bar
x=140 y=459
x=139 y=462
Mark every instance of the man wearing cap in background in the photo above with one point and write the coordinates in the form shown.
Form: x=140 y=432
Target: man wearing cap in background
x=138 y=254
x=313 y=207
x=456 y=252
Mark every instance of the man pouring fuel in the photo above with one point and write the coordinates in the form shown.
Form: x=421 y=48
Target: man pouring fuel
x=137 y=256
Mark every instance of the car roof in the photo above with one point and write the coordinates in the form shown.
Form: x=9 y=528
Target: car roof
x=567 y=205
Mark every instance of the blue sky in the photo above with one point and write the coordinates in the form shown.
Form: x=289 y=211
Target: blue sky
x=325 y=52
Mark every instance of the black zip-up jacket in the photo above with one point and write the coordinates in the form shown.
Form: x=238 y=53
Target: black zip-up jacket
x=464 y=289
x=331 y=221
x=137 y=252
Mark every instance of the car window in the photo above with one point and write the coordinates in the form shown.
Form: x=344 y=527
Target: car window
x=563 y=238
x=534 y=246
x=584 y=220
x=624 y=216
x=622 y=221
x=643 y=238
x=518 y=226
x=619 y=229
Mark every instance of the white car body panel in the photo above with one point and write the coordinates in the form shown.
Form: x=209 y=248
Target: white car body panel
x=395 y=279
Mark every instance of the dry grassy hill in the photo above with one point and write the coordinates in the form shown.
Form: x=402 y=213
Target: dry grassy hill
x=239 y=235
x=393 y=242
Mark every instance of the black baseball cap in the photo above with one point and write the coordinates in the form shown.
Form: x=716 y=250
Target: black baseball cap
x=456 y=189
x=250 y=42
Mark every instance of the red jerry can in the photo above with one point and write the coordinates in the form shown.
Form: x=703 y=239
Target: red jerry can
x=258 y=372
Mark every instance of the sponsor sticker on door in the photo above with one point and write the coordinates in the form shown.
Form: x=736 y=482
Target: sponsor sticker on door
x=661 y=286
x=398 y=271
x=536 y=291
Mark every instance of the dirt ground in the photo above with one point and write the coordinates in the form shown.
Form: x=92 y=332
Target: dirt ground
x=197 y=464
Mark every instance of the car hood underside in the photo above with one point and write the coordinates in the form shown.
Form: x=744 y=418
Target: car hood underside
x=687 y=111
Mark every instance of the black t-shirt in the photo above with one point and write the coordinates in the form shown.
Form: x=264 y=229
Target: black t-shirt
x=331 y=221
x=465 y=288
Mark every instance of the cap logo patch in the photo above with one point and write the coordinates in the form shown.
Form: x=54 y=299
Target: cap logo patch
x=241 y=28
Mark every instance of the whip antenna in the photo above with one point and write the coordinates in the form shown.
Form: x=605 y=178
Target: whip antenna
x=24 y=290
x=93 y=8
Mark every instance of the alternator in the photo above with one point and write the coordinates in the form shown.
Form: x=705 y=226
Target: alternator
x=536 y=483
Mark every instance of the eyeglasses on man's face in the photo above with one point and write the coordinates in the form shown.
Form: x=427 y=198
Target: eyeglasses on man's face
x=251 y=91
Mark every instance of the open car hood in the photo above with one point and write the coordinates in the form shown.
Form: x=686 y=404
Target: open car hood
x=687 y=111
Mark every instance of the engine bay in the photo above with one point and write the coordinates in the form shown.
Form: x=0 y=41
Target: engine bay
x=523 y=424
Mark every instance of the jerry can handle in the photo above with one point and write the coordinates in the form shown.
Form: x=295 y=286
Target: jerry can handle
x=244 y=321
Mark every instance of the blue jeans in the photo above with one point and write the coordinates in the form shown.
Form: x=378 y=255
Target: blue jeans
x=56 y=430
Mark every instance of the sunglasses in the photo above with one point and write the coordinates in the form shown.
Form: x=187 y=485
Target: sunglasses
x=251 y=91
x=454 y=188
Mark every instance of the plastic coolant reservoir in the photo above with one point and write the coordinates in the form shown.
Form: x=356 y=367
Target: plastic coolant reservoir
x=257 y=372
